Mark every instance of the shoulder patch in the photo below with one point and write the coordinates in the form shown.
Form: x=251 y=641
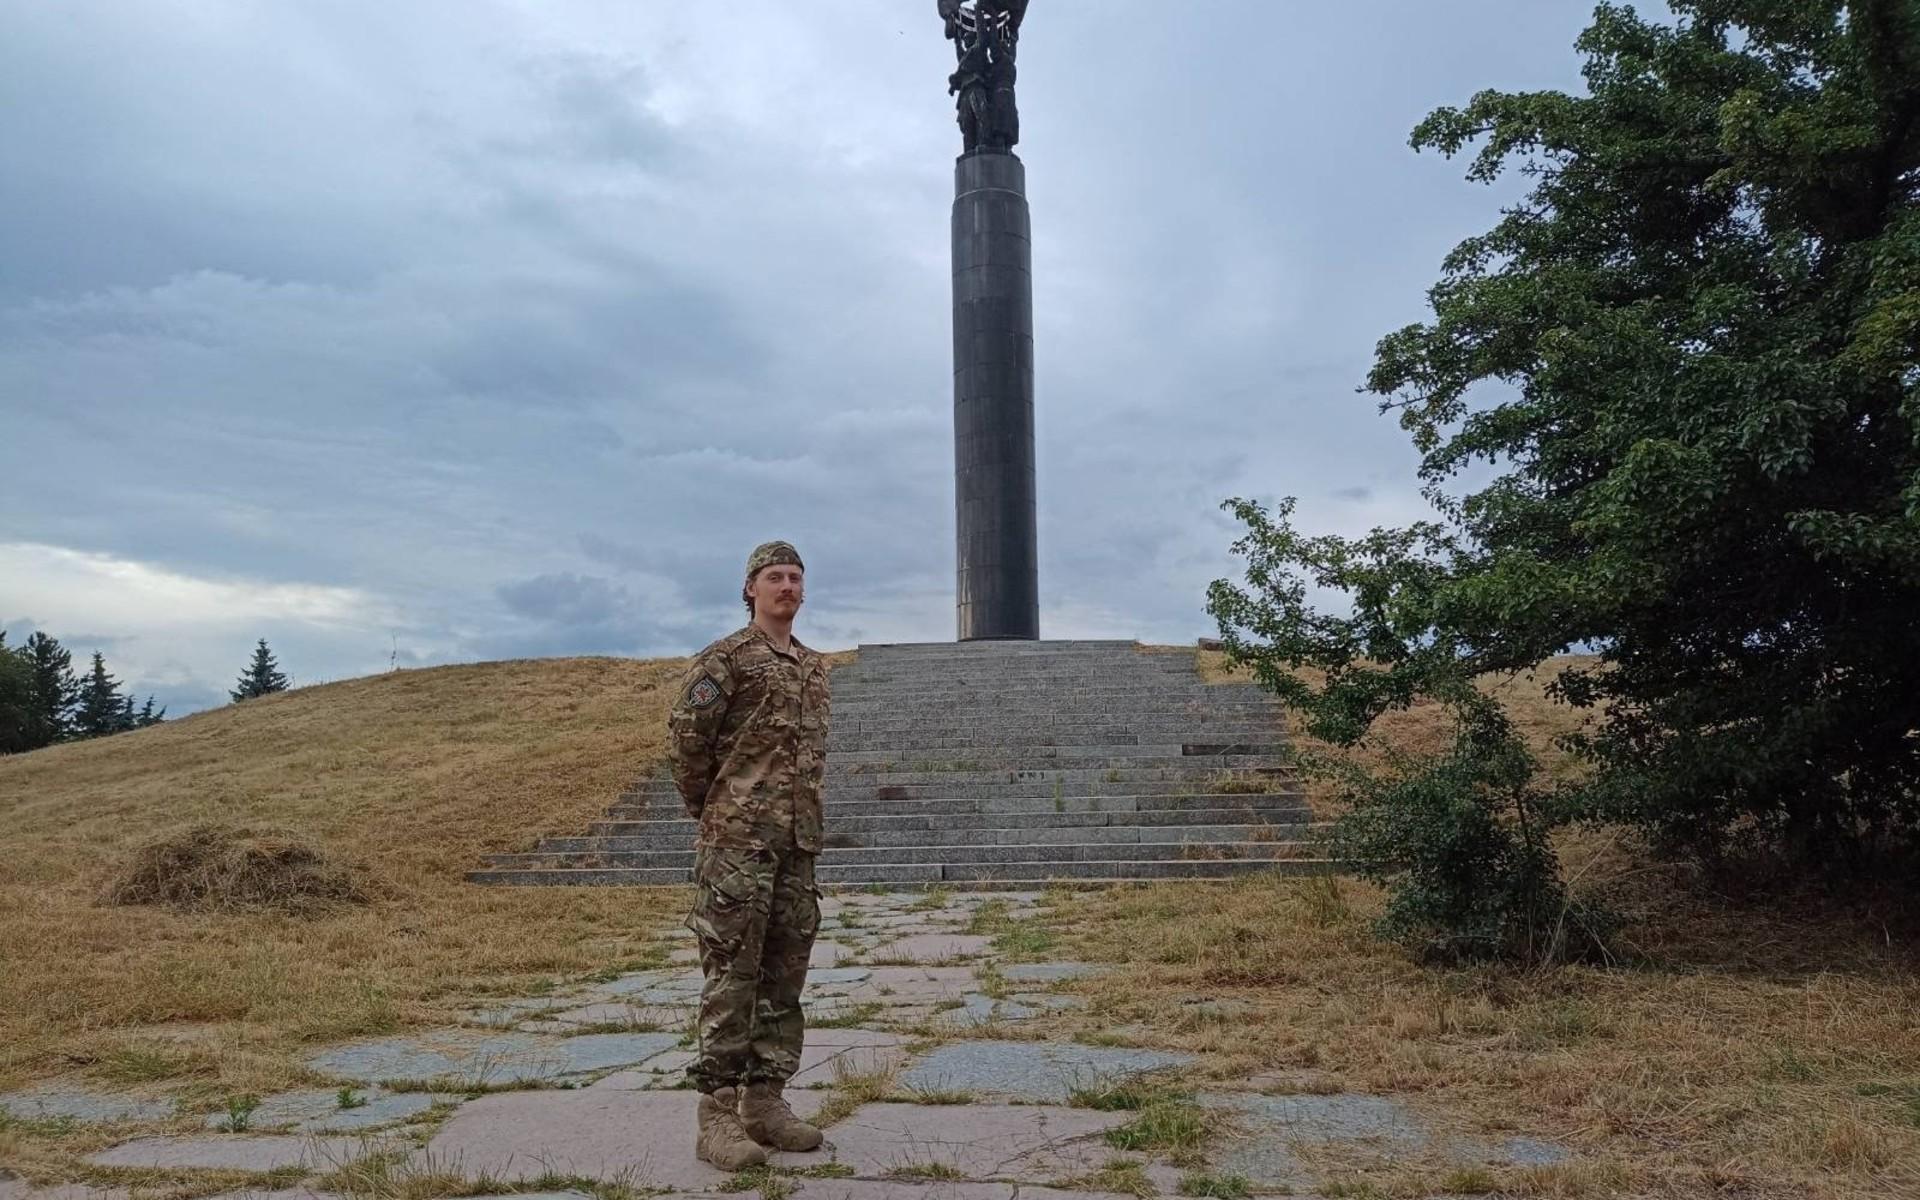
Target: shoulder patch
x=704 y=692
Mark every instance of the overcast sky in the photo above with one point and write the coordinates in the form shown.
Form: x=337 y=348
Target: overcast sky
x=466 y=329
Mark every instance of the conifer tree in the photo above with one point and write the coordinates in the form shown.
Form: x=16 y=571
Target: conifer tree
x=147 y=716
x=53 y=690
x=262 y=676
x=16 y=698
x=101 y=710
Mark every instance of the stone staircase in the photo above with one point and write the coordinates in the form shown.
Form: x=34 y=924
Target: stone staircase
x=1004 y=765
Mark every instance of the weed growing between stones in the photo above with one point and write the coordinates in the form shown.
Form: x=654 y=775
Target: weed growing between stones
x=851 y=1089
x=347 y=1098
x=1122 y=1176
x=240 y=1112
x=766 y=1180
x=847 y=1018
x=1176 y=1128
x=936 y=898
x=936 y=1095
x=1131 y=1094
x=927 y=1170
x=1215 y=1187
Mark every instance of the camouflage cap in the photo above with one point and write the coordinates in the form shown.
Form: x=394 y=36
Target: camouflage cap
x=768 y=553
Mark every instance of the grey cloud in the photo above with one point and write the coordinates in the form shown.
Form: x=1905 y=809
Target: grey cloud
x=566 y=599
x=419 y=298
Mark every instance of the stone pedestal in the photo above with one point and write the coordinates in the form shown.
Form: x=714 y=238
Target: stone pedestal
x=999 y=586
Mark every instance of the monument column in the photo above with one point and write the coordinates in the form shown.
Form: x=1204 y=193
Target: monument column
x=999 y=588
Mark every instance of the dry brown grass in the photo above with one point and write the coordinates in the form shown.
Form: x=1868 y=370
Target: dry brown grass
x=411 y=776
x=213 y=867
x=1754 y=1047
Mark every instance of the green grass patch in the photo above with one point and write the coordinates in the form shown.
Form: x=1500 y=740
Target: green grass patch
x=768 y=1181
x=1120 y=1176
x=1219 y=1187
x=1176 y=1128
x=1127 y=1095
x=852 y=1018
x=935 y=897
x=1025 y=939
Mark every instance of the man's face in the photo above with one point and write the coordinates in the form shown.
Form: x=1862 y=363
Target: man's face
x=778 y=590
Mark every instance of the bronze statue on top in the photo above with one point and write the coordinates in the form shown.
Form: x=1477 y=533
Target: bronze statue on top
x=985 y=34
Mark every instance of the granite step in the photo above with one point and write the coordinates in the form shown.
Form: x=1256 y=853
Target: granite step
x=1011 y=806
x=914 y=743
x=1005 y=835
x=1182 y=769
x=1031 y=852
x=1238 y=814
x=1005 y=764
x=1030 y=782
x=882 y=767
x=1009 y=876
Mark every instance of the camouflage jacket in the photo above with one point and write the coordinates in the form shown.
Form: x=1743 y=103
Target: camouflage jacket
x=748 y=739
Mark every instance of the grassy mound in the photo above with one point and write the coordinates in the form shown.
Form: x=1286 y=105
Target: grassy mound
x=404 y=780
x=211 y=867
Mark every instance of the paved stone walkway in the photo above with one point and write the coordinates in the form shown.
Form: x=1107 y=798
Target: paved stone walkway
x=951 y=1072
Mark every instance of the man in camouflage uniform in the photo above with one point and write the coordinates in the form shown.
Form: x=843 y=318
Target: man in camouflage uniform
x=748 y=738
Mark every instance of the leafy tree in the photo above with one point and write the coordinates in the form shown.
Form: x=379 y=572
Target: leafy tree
x=262 y=676
x=16 y=699
x=54 y=690
x=1690 y=361
x=101 y=710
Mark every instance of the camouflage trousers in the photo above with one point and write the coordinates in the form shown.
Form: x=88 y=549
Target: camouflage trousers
x=755 y=913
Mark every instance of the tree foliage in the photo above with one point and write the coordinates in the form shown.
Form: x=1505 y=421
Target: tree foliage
x=54 y=690
x=261 y=677
x=16 y=699
x=102 y=710
x=1690 y=361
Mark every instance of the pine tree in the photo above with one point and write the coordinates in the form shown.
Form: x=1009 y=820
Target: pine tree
x=262 y=676
x=101 y=709
x=53 y=690
x=147 y=716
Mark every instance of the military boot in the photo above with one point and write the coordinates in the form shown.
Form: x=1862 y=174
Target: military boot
x=721 y=1140
x=768 y=1120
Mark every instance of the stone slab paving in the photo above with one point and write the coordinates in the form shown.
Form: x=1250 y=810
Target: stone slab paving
x=1048 y=972
x=461 y=1058
x=668 y=1070
x=83 y=1105
x=643 y=1138
x=237 y=1152
x=933 y=947
x=881 y=983
x=633 y=1122
x=832 y=1053
x=1024 y=1142
x=320 y=1111
x=615 y=1012
x=1033 y=1071
x=1273 y=1128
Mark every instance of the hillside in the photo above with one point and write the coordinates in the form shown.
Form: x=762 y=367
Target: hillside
x=409 y=777
x=1764 y=1048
